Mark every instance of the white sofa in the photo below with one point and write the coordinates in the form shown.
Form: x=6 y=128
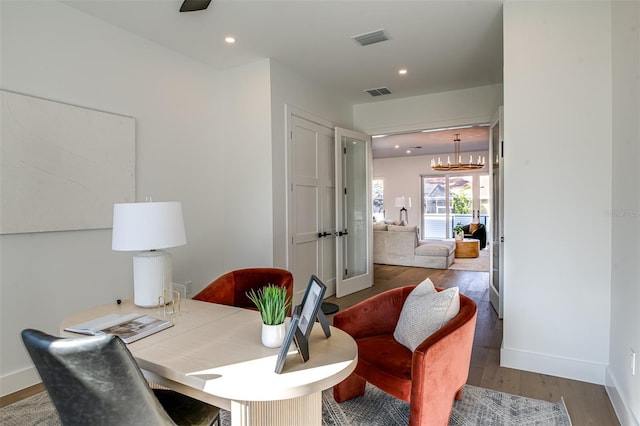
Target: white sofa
x=399 y=245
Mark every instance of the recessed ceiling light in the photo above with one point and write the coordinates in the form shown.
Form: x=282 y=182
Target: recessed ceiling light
x=408 y=151
x=397 y=146
x=402 y=71
x=230 y=39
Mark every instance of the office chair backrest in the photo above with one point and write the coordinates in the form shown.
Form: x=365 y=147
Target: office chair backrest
x=94 y=380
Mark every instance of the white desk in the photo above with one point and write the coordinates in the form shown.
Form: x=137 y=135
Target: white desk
x=213 y=353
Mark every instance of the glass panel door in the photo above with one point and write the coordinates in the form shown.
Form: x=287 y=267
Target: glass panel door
x=485 y=203
x=496 y=151
x=435 y=211
x=353 y=212
x=451 y=200
x=355 y=208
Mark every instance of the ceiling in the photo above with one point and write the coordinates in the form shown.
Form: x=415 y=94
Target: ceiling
x=473 y=138
x=444 y=45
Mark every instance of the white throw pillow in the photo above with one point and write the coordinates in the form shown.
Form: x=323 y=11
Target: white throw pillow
x=424 y=312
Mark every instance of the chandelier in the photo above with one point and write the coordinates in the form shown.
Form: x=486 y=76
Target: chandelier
x=449 y=166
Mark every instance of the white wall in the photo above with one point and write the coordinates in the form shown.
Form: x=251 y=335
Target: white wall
x=624 y=388
x=248 y=201
x=557 y=226
x=401 y=177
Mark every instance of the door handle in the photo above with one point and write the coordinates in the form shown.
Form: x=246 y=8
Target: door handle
x=341 y=233
x=323 y=234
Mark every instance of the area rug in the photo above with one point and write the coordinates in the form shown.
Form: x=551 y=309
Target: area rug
x=479 y=407
x=480 y=263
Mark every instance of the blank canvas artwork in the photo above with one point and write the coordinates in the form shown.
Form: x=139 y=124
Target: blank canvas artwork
x=62 y=167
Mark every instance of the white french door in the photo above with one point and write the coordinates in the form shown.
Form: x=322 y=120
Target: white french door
x=312 y=205
x=354 y=214
x=496 y=168
x=329 y=208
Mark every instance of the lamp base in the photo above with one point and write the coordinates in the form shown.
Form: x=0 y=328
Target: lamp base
x=152 y=274
x=406 y=215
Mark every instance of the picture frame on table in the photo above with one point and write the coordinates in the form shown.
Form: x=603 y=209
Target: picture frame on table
x=303 y=318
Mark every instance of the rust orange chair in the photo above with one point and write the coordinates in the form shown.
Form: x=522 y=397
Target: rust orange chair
x=230 y=288
x=430 y=378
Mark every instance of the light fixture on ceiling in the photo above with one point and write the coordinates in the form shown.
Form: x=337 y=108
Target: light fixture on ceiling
x=194 y=5
x=229 y=39
x=402 y=71
x=459 y=165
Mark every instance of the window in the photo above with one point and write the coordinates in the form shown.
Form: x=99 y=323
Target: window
x=449 y=200
x=377 y=191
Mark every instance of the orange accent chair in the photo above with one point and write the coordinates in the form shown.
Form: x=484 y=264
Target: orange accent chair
x=429 y=378
x=230 y=289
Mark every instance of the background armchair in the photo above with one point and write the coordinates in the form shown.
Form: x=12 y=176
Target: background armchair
x=230 y=288
x=95 y=381
x=430 y=378
x=479 y=233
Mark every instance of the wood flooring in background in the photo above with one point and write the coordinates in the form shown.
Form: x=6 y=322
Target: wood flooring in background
x=588 y=404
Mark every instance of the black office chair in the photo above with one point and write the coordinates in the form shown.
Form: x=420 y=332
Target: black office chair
x=95 y=381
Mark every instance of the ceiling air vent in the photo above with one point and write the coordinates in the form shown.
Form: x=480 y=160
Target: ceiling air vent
x=379 y=91
x=370 y=38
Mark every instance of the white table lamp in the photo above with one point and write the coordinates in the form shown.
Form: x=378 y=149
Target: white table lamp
x=404 y=203
x=148 y=228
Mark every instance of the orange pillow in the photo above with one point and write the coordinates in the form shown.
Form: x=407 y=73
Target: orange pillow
x=473 y=227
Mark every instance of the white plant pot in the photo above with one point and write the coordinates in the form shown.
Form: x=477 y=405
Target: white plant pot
x=273 y=335
x=459 y=236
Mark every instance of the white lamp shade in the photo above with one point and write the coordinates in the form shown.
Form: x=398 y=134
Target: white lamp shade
x=403 y=202
x=147 y=226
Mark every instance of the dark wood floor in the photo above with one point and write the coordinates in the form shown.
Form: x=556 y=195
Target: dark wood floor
x=588 y=404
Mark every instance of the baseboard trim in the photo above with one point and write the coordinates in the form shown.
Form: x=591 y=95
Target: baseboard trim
x=21 y=394
x=567 y=368
x=18 y=380
x=625 y=415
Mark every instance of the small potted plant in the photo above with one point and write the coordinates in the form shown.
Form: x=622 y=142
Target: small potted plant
x=458 y=232
x=273 y=304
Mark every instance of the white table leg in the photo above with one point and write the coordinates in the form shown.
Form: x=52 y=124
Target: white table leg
x=305 y=410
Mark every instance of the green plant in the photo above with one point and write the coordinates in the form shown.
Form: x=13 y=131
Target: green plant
x=272 y=303
x=458 y=229
x=461 y=204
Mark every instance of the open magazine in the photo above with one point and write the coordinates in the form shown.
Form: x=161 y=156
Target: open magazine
x=129 y=327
